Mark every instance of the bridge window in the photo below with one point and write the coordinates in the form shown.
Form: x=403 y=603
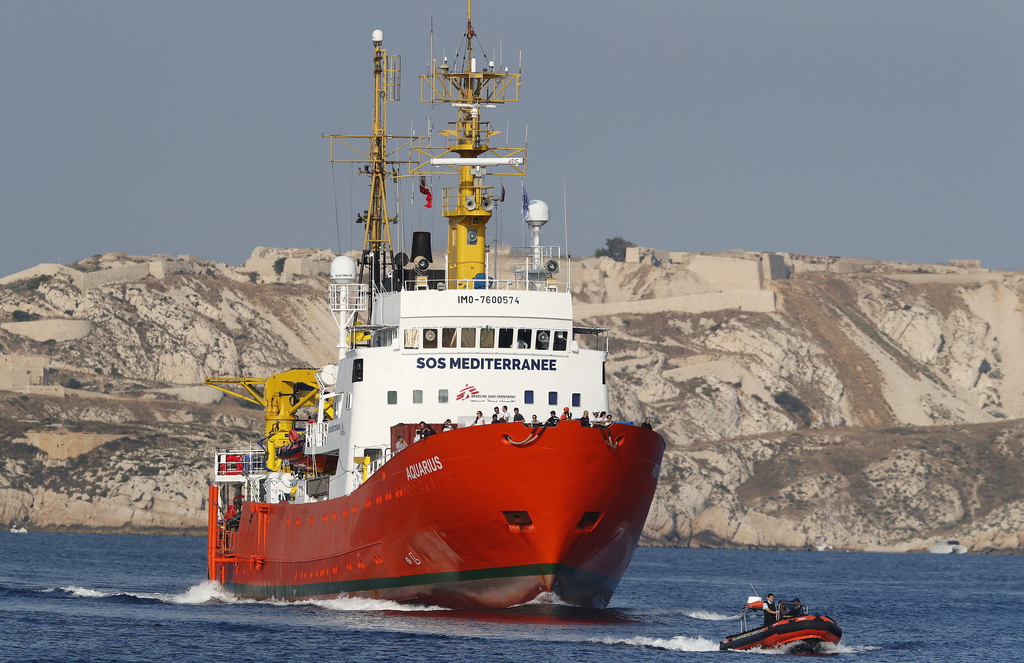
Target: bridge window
x=543 y=339
x=417 y=395
x=528 y=396
x=575 y=400
x=523 y=339
x=561 y=341
x=412 y=338
x=448 y=337
x=392 y=398
x=442 y=395
x=552 y=398
x=469 y=337
x=357 y=370
x=505 y=337
x=487 y=337
x=430 y=338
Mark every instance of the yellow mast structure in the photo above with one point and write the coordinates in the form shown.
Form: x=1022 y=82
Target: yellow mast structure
x=469 y=205
x=379 y=162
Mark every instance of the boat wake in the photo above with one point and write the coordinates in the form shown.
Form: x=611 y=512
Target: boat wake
x=545 y=598
x=703 y=615
x=709 y=616
x=820 y=649
x=356 y=604
x=204 y=592
x=678 y=643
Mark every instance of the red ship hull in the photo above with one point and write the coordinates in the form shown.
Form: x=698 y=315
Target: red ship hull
x=473 y=518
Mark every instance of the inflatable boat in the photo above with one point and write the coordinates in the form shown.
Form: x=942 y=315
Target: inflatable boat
x=796 y=630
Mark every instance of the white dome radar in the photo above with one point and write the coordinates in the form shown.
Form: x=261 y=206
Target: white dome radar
x=343 y=270
x=378 y=36
x=538 y=214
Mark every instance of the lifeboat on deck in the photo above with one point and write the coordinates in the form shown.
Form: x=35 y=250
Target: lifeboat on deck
x=797 y=630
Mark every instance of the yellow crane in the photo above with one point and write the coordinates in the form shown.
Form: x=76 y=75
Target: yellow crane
x=281 y=395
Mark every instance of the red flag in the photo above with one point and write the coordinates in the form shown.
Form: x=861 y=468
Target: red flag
x=426 y=192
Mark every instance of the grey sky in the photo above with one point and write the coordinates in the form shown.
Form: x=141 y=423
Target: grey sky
x=890 y=130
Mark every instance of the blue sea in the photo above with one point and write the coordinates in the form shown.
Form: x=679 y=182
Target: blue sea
x=90 y=597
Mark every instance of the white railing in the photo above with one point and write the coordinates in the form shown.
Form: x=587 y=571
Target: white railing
x=237 y=466
x=316 y=435
x=348 y=297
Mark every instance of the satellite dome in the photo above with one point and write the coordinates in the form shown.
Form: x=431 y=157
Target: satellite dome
x=343 y=270
x=538 y=214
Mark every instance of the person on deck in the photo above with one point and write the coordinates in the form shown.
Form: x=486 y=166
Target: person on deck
x=795 y=608
x=479 y=421
x=566 y=415
x=517 y=416
x=447 y=426
x=771 y=610
x=552 y=420
x=647 y=424
x=585 y=419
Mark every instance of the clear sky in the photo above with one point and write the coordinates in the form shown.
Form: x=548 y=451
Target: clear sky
x=880 y=129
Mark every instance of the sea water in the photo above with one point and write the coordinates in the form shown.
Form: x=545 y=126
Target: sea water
x=84 y=597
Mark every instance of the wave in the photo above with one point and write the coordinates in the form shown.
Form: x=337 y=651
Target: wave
x=351 y=603
x=207 y=591
x=709 y=616
x=84 y=592
x=704 y=615
x=821 y=649
x=677 y=643
x=545 y=598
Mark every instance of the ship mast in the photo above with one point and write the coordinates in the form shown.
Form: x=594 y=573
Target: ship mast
x=469 y=205
x=379 y=162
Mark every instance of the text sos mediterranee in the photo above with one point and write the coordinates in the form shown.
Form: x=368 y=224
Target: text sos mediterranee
x=487 y=363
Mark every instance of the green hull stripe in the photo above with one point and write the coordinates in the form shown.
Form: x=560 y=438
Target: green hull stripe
x=369 y=584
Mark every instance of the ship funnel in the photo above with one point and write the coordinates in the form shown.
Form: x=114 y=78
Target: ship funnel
x=421 y=256
x=343 y=270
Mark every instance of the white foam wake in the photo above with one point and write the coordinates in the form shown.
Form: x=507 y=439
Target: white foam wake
x=352 y=603
x=545 y=598
x=823 y=649
x=207 y=591
x=84 y=592
x=709 y=616
x=678 y=643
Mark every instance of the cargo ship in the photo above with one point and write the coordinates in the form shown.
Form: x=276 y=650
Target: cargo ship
x=443 y=460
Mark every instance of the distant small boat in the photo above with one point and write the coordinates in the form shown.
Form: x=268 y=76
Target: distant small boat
x=947 y=547
x=798 y=631
x=18 y=530
x=821 y=544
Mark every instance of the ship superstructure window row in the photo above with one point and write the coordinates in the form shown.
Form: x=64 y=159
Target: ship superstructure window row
x=442 y=397
x=486 y=338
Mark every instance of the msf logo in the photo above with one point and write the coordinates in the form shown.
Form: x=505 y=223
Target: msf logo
x=466 y=392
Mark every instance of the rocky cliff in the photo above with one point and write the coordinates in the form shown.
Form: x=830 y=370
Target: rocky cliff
x=878 y=408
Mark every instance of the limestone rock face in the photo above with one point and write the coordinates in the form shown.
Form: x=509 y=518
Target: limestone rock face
x=863 y=490
x=868 y=407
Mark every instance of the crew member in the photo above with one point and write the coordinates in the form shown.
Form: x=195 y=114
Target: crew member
x=771 y=610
